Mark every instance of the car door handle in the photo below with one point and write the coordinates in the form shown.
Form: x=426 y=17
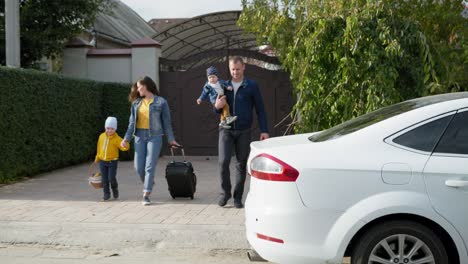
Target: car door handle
x=456 y=183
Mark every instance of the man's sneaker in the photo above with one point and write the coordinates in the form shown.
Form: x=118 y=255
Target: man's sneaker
x=116 y=194
x=105 y=199
x=230 y=119
x=238 y=204
x=224 y=125
x=146 y=200
x=223 y=201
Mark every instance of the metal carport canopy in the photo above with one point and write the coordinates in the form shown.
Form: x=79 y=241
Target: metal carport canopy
x=202 y=34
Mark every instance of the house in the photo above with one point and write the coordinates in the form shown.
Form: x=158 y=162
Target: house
x=118 y=28
x=118 y=48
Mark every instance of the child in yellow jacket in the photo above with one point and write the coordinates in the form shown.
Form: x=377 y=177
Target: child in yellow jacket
x=108 y=156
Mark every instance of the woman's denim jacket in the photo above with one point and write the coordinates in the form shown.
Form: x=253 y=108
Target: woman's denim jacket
x=159 y=119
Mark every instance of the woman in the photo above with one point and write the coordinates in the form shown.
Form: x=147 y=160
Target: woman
x=149 y=120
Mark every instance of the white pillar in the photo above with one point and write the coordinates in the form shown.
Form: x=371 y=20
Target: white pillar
x=12 y=33
x=145 y=59
x=75 y=62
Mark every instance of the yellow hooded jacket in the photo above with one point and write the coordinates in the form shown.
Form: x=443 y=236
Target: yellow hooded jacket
x=108 y=147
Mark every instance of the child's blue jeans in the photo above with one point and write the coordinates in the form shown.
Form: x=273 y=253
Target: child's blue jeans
x=109 y=177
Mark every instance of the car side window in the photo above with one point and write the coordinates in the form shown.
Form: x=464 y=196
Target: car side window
x=424 y=137
x=455 y=138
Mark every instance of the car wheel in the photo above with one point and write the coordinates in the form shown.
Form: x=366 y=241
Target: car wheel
x=399 y=242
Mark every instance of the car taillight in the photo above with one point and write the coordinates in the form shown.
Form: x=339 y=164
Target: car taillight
x=268 y=238
x=269 y=168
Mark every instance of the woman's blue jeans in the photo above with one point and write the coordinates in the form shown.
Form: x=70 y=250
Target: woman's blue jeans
x=147 y=151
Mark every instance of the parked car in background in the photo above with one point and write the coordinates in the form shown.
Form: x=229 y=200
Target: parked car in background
x=390 y=186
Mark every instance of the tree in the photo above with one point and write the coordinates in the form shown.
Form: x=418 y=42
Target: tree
x=46 y=26
x=350 y=57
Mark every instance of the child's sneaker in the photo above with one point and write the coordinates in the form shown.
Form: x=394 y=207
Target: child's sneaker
x=230 y=119
x=224 y=125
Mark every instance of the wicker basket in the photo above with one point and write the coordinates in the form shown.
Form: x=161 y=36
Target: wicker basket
x=95 y=180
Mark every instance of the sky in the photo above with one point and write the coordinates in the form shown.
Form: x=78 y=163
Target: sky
x=149 y=9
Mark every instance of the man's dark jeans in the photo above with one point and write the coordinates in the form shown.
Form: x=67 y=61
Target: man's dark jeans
x=109 y=172
x=239 y=141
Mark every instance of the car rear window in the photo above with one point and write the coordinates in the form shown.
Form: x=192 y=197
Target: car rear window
x=382 y=114
x=455 y=138
x=424 y=137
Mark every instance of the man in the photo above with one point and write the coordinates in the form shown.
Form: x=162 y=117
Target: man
x=244 y=96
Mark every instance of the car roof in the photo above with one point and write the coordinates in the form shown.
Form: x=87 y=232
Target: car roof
x=434 y=99
x=384 y=113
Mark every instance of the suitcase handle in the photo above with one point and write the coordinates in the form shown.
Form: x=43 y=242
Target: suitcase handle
x=172 y=152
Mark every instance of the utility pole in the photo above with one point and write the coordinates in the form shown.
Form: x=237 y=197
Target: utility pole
x=12 y=33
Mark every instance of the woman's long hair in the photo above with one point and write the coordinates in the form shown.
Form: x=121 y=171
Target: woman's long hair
x=150 y=86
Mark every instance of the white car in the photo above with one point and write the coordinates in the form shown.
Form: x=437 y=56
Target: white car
x=387 y=187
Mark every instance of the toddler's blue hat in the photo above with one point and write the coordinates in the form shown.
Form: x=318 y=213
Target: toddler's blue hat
x=211 y=71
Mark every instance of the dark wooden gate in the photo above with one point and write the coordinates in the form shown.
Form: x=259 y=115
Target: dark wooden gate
x=196 y=126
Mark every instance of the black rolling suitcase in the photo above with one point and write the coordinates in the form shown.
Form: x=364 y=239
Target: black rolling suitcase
x=180 y=177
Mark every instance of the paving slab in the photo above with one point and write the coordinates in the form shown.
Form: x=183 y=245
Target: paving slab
x=60 y=208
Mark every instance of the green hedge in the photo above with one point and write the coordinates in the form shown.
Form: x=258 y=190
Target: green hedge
x=48 y=121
